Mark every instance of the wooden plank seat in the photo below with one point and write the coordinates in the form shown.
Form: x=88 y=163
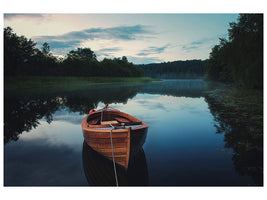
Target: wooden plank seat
x=127 y=121
x=94 y=121
x=109 y=122
x=122 y=120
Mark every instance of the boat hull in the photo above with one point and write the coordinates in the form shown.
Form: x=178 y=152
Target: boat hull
x=100 y=141
x=112 y=142
x=108 y=131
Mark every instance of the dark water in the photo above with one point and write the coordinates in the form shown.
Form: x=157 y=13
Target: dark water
x=44 y=145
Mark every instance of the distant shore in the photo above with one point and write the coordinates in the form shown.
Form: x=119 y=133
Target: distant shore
x=31 y=82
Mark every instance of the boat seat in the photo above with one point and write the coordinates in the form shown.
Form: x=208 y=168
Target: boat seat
x=109 y=122
x=94 y=121
x=122 y=120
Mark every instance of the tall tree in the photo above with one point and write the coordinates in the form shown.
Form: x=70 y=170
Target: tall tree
x=240 y=59
x=82 y=53
x=246 y=38
x=45 y=49
x=18 y=51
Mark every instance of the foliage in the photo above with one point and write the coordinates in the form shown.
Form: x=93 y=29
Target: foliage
x=240 y=59
x=23 y=58
x=121 y=67
x=176 y=69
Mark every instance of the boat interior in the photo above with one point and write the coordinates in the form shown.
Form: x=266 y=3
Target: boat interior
x=107 y=118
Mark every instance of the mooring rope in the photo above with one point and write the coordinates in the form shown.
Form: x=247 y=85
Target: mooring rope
x=101 y=116
x=114 y=166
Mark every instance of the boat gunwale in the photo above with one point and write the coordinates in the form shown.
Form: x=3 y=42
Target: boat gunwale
x=98 y=128
x=95 y=129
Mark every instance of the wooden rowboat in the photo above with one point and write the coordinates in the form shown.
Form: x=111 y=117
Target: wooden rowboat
x=108 y=132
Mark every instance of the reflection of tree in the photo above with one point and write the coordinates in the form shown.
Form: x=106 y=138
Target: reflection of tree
x=21 y=114
x=84 y=100
x=23 y=111
x=243 y=135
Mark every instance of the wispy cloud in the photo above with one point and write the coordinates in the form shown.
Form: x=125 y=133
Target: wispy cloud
x=107 y=51
x=199 y=44
x=144 y=60
x=192 y=45
x=64 y=44
x=75 y=38
x=153 y=50
x=22 y=15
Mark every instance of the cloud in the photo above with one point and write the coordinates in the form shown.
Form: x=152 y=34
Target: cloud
x=107 y=51
x=76 y=38
x=205 y=42
x=143 y=60
x=153 y=50
x=192 y=45
x=64 y=44
x=13 y=15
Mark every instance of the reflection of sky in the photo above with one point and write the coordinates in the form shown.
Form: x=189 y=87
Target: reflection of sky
x=63 y=115
x=51 y=154
x=34 y=162
x=58 y=133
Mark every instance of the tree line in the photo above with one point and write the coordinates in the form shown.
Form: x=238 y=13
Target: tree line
x=239 y=59
x=176 y=69
x=22 y=58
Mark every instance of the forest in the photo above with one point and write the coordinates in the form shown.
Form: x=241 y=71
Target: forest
x=176 y=69
x=239 y=59
x=22 y=58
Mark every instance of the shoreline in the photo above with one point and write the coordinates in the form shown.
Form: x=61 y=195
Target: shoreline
x=68 y=82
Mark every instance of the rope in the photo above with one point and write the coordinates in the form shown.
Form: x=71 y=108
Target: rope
x=101 y=116
x=114 y=166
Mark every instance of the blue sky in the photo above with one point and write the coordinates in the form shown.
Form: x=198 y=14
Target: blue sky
x=143 y=38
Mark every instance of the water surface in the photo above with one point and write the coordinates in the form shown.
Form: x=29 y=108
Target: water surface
x=44 y=145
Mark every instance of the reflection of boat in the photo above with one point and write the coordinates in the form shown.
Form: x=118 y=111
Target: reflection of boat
x=99 y=170
x=108 y=132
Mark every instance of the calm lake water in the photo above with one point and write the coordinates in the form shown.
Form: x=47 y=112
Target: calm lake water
x=44 y=145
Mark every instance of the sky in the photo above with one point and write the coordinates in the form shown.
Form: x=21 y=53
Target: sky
x=142 y=38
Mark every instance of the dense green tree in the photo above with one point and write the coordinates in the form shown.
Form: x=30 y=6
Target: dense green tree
x=45 y=48
x=18 y=51
x=246 y=39
x=176 y=69
x=82 y=53
x=240 y=58
x=120 y=67
x=216 y=66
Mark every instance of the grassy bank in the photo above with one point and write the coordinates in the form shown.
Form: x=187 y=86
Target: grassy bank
x=11 y=83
